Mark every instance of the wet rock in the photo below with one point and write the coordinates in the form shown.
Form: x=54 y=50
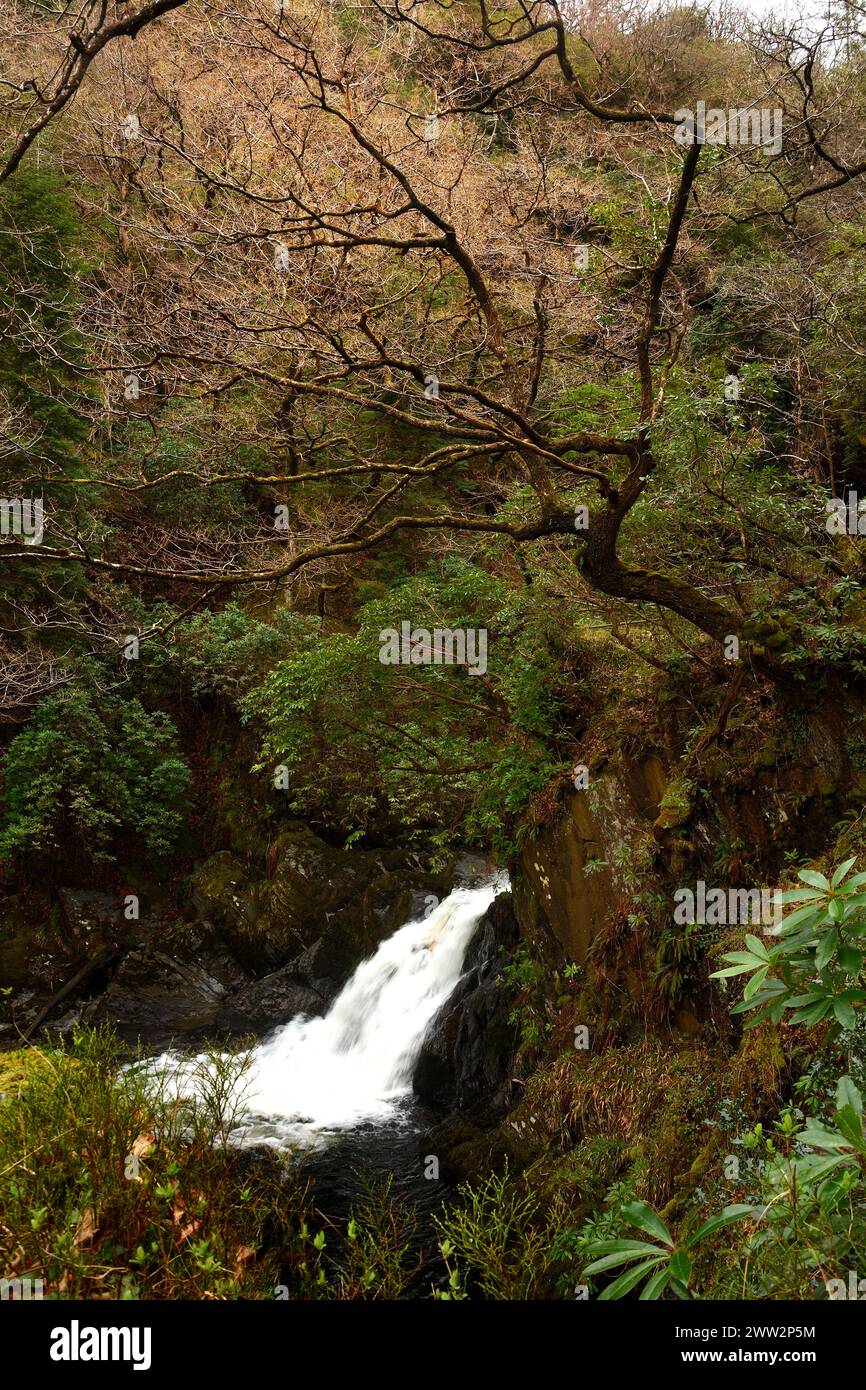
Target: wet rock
x=364 y=894
x=223 y=892
x=435 y=1075
x=313 y=893
x=270 y=1002
x=239 y=953
x=471 y=870
x=221 y=889
x=88 y=914
x=468 y=1152
x=21 y=1011
x=154 y=997
x=466 y=1059
x=327 y=964
x=75 y=944
x=65 y=1025
x=23 y=966
x=96 y=921
x=496 y=935
x=307 y=985
x=570 y=876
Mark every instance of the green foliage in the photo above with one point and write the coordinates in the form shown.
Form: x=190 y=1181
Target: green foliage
x=678 y=953
x=810 y=1206
x=230 y=652
x=572 y=1246
x=113 y=1185
x=88 y=769
x=816 y=967
x=846 y=1141
x=110 y=1188
x=810 y=1213
x=501 y=1235
x=522 y=971
x=39 y=265
x=454 y=1292
x=428 y=747
x=526 y=977
x=376 y=1259
x=664 y=1262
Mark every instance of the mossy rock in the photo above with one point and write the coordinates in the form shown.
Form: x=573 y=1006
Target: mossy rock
x=582 y=1176
x=223 y=893
x=772 y=634
x=313 y=889
x=19 y=1067
x=767 y=756
x=313 y=882
x=469 y=1153
x=676 y=806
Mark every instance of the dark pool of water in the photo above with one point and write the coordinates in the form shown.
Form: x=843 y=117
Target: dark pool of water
x=370 y=1153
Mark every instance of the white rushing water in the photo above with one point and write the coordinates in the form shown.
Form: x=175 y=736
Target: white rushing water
x=316 y=1075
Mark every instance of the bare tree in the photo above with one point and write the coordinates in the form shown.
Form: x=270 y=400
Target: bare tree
x=306 y=240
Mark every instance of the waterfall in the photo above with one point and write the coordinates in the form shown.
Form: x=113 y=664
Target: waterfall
x=316 y=1075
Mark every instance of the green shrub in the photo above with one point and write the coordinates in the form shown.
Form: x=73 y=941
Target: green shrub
x=815 y=967
x=229 y=652
x=503 y=1238
x=88 y=769
x=110 y=1188
x=426 y=747
x=112 y=1185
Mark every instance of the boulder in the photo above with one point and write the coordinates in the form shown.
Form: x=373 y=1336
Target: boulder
x=227 y=901
x=466 y=1059
x=154 y=998
x=327 y=964
x=435 y=1075
x=88 y=913
x=338 y=902
x=468 y=1151
x=267 y=1003
x=307 y=985
x=570 y=876
x=242 y=953
x=368 y=893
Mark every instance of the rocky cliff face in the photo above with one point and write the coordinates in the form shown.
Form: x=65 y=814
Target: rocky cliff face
x=239 y=952
x=728 y=809
x=572 y=872
x=621 y=990
x=465 y=1062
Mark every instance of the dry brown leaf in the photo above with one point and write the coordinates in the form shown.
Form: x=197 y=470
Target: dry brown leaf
x=87 y=1228
x=245 y=1254
x=187 y=1225
x=144 y=1144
